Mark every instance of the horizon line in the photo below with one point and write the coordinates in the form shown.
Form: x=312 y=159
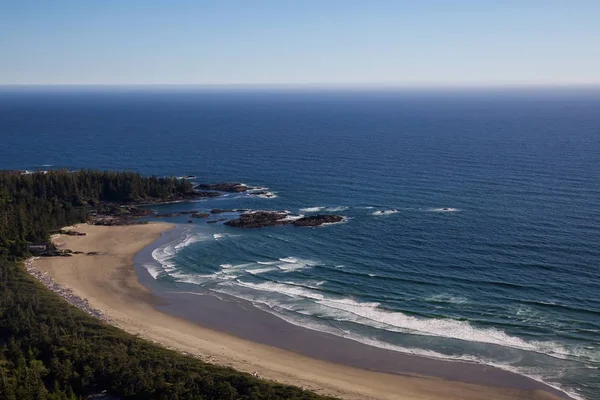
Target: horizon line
x=300 y=86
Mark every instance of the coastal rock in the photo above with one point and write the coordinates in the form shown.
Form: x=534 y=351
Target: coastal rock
x=259 y=219
x=316 y=220
x=231 y=187
x=207 y=194
x=57 y=253
x=108 y=220
x=70 y=233
x=169 y=215
x=220 y=211
x=137 y=212
x=263 y=194
x=199 y=215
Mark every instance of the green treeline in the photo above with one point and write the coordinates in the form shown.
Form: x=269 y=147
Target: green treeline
x=52 y=350
x=32 y=205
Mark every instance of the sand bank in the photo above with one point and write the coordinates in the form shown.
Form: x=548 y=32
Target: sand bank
x=109 y=283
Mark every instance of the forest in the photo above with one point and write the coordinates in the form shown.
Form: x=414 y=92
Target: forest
x=52 y=350
x=32 y=205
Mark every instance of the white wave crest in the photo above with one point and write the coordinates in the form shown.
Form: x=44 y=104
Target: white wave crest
x=447 y=298
x=312 y=209
x=283 y=289
x=153 y=270
x=321 y=208
x=189 y=239
x=293 y=217
x=164 y=254
x=259 y=271
x=385 y=212
x=200 y=279
x=336 y=209
x=236 y=266
x=294 y=264
x=442 y=327
x=443 y=209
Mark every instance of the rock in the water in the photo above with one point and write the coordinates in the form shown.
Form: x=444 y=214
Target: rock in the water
x=263 y=194
x=169 y=215
x=224 y=187
x=220 y=211
x=207 y=194
x=259 y=219
x=316 y=220
x=199 y=215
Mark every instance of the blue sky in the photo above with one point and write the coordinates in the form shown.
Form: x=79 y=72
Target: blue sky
x=373 y=42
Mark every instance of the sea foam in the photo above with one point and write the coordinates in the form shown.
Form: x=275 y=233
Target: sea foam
x=385 y=212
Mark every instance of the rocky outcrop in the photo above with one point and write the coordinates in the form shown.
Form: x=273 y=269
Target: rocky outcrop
x=221 y=210
x=263 y=194
x=103 y=220
x=231 y=187
x=259 y=219
x=57 y=253
x=167 y=215
x=206 y=194
x=137 y=212
x=199 y=215
x=316 y=220
x=68 y=232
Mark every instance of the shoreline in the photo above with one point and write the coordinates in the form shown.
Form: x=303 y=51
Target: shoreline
x=109 y=284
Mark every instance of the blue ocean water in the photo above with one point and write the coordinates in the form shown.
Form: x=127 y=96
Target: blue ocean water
x=473 y=219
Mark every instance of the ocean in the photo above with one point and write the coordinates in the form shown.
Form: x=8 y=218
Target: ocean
x=472 y=224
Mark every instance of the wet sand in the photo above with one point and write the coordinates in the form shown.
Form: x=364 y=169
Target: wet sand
x=258 y=342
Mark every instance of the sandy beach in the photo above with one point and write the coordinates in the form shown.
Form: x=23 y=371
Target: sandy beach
x=109 y=283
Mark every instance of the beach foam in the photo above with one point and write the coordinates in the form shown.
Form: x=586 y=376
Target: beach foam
x=164 y=254
x=371 y=314
x=153 y=269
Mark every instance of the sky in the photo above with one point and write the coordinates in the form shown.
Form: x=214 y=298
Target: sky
x=300 y=42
